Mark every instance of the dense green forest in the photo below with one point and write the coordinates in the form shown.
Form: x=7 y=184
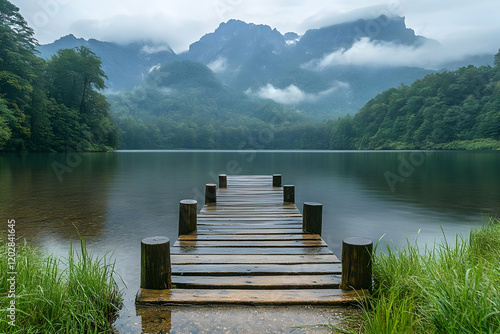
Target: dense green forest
x=52 y=105
x=182 y=105
x=449 y=110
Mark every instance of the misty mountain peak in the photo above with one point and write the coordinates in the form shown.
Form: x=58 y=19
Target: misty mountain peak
x=317 y=42
x=236 y=40
x=69 y=37
x=291 y=38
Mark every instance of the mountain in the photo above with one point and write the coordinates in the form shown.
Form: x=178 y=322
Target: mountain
x=125 y=65
x=236 y=41
x=183 y=105
x=317 y=42
x=262 y=62
x=309 y=73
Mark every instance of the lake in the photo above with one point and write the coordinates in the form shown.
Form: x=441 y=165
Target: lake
x=116 y=199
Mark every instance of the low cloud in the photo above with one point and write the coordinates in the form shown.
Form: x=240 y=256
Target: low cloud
x=154 y=68
x=368 y=53
x=330 y=16
x=430 y=55
x=150 y=49
x=219 y=65
x=161 y=30
x=293 y=95
x=165 y=91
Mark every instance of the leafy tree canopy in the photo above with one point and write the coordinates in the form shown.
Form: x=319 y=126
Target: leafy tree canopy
x=449 y=110
x=54 y=105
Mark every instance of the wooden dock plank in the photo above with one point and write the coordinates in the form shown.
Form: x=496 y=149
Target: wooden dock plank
x=250 y=250
x=255 y=224
x=250 y=243
x=258 y=282
x=251 y=258
x=242 y=231
x=257 y=269
x=252 y=237
x=249 y=227
x=249 y=297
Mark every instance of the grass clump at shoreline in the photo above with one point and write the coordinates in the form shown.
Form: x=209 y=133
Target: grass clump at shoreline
x=77 y=294
x=444 y=289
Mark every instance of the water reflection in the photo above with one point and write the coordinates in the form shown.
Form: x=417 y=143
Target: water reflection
x=44 y=204
x=117 y=199
x=240 y=319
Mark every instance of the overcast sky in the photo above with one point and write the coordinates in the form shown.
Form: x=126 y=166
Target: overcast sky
x=464 y=26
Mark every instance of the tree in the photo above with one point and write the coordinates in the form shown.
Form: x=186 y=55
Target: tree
x=10 y=17
x=75 y=78
x=73 y=75
x=49 y=106
x=18 y=68
x=342 y=134
x=6 y=117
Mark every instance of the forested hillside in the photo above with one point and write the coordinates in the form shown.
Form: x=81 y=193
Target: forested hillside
x=182 y=105
x=449 y=110
x=52 y=105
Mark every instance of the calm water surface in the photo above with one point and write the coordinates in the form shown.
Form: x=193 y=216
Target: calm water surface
x=116 y=199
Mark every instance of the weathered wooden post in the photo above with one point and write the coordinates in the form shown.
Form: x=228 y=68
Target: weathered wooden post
x=222 y=181
x=156 y=271
x=288 y=194
x=210 y=194
x=357 y=263
x=312 y=218
x=276 y=180
x=187 y=216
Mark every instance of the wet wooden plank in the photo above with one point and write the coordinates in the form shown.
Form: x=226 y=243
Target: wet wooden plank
x=258 y=282
x=236 y=223
x=242 y=231
x=246 y=204
x=249 y=226
x=252 y=237
x=250 y=250
x=251 y=243
x=248 y=211
x=248 y=297
x=256 y=259
x=249 y=220
x=249 y=216
x=257 y=269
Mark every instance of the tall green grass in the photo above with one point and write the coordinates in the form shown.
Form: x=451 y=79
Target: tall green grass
x=443 y=289
x=77 y=294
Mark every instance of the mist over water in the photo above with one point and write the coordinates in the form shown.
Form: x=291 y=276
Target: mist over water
x=116 y=199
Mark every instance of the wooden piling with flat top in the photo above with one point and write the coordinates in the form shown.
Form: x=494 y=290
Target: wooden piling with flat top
x=289 y=194
x=312 y=221
x=222 y=181
x=156 y=272
x=357 y=263
x=187 y=216
x=210 y=193
x=276 y=180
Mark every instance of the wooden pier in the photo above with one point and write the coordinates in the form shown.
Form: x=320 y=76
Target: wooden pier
x=248 y=246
